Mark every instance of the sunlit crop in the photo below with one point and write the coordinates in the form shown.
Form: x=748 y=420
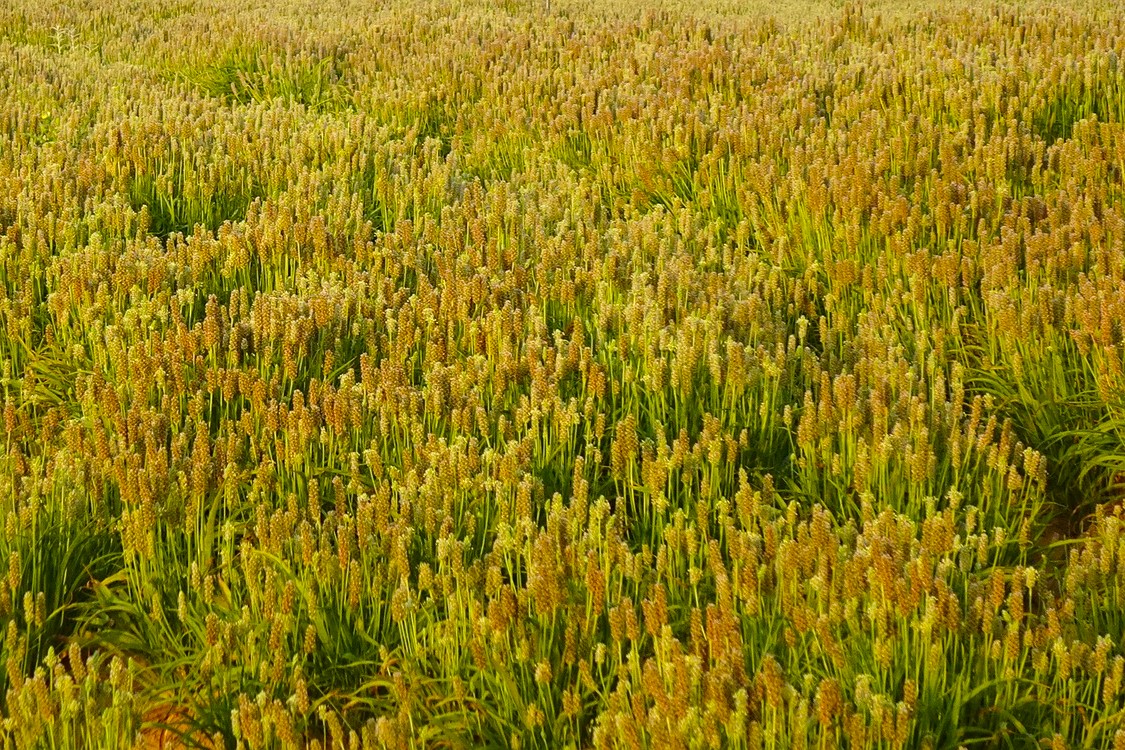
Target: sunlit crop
x=582 y=374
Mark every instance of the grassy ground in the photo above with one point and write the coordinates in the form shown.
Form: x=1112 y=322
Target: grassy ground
x=583 y=374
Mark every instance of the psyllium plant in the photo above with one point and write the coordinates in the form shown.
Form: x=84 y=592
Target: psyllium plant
x=563 y=375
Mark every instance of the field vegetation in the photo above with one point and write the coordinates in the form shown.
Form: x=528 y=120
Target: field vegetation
x=562 y=375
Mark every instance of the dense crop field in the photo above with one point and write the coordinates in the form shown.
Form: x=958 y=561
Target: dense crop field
x=561 y=375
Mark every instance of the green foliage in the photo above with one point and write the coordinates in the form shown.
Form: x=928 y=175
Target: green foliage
x=246 y=75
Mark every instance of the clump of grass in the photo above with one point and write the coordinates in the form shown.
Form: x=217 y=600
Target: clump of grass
x=169 y=210
x=251 y=74
x=1074 y=101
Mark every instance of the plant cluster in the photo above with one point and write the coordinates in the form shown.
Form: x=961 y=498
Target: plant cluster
x=387 y=375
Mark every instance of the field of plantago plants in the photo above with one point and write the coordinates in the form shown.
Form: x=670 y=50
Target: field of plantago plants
x=583 y=374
